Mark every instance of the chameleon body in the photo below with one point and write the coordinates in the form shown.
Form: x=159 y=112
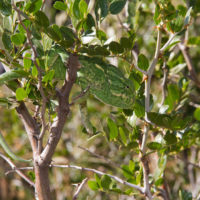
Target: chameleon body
x=7 y=149
x=106 y=82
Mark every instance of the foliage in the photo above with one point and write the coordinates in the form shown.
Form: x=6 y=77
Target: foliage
x=136 y=64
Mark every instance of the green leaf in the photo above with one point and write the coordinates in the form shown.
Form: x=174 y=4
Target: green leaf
x=93 y=185
x=34 y=71
x=131 y=166
x=176 y=25
x=12 y=75
x=5 y=7
x=173 y=122
x=102 y=6
x=21 y=94
x=60 y=5
x=46 y=42
x=27 y=24
x=98 y=180
x=112 y=128
x=98 y=50
x=18 y=39
x=76 y=9
x=89 y=22
x=41 y=19
x=187 y=17
x=83 y=8
x=54 y=32
x=127 y=172
x=55 y=60
x=173 y=95
x=143 y=62
x=197 y=114
x=156 y=17
x=185 y=195
x=154 y=145
x=161 y=120
x=101 y=35
x=179 y=121
x=33 y=6
x=170 y=138
x=105 y=182
x=127 y=43
x=67 y=33
x=7 y=40
x=48 y=77
x=27 y=61
x=116 y=48
x=117 y=6
x=123 y=136
x=139 y=109
x=31 y=176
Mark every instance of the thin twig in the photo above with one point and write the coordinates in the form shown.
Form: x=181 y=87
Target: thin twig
x=190 y=66
x=140 y=189
x=12 y=165
x=168 y=42
x=79 y=96
x=135 y=65
x=164 y=83
x=43 y=2
x=79 y=188
x=150 y=73
x=143 y=158
x=18 y=168
x=122 y=25
x=99 y=156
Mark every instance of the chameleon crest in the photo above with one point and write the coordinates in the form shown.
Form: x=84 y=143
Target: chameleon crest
x=106 y=82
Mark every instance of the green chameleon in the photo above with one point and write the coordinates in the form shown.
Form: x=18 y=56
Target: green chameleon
x=107 y=83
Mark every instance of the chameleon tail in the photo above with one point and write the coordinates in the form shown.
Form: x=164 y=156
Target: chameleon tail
x=7 y=149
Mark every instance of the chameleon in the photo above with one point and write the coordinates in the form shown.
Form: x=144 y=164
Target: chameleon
x=106 y=83
x=7 y=149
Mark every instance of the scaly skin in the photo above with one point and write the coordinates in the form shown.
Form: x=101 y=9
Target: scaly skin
x=106 y=82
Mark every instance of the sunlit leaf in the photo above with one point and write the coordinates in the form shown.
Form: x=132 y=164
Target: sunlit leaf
x=21 y=94
x=112 y=128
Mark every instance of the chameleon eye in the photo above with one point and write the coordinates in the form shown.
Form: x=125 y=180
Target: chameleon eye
x=127 y=87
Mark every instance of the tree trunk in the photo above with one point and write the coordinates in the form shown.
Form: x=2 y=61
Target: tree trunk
x=42 y=185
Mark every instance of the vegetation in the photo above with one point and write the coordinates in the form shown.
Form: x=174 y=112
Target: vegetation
x=100 y=99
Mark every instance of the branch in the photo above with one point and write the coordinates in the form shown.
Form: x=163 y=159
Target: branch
x=79 y=188
x=30 y=125
x=17 y=170
x=63 y=111
x=44 y=99
x=190 y=66
x=150 y=73
x=168 y=42
x=83 y=92
x=164 y=83
x=99 y=156
x=140 y=189
x=143 y=158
